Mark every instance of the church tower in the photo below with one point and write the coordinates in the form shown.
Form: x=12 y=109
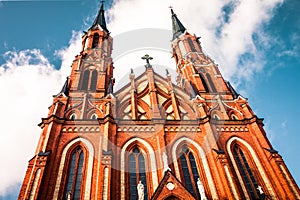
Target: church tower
x=197 y=139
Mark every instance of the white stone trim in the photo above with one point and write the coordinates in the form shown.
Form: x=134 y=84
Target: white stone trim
x=232 y=187
x=289 y=181
x=152 y=164
x=105 y=184
x=89 y=167
x=203 y=160
x=34 y=184
x=45 y=142
x=257 y=163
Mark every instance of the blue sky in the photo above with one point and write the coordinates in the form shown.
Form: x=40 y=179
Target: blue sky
x=259 y=55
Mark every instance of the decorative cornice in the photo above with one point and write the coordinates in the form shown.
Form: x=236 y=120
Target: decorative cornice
x=51 y=118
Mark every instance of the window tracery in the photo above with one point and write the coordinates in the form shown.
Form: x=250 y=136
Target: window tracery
x=137 y=172
x=189 y=170
x=246 y=172
x=75 y=175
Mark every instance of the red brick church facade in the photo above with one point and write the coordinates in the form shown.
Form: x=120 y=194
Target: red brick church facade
x=196 y=139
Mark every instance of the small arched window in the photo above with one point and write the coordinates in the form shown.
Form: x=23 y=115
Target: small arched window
x=216 y=117
x=85 y=80
x=137 y=172
x=95 y=40
x=73 y=116
x=234 y=117
x=189 y=170
x=191 y=43
x=75 y=175
x=246 y=172
x=94 y=116
x=94 y=80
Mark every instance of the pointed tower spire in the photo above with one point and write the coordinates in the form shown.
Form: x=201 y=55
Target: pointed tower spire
x=65 y=88
x=100 y=19
x=178 y=28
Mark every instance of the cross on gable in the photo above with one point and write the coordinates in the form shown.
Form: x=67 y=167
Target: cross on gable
x=147 y=58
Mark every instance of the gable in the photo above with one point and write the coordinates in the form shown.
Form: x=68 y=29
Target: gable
x=136 y=100
x=171 y=188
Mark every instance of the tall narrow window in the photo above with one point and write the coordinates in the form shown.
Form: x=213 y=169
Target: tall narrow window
x=203 y=82
x=212 y=86
x=95 y=40
x=105 y=45
x=85 y=80
x=191 y=43
x=189 y=170
x=137 y=173
x=246 y=172
x=94 y=80
x=182 y=48
x=74 y=179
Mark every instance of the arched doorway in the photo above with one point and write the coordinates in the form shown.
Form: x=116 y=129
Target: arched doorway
x=172 y=197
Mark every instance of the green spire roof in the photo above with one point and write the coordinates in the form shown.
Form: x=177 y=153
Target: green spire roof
x=178 y=28
x=100 y=20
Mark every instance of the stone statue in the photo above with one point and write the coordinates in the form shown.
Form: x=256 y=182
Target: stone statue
x=69 y=196
x=259 y=188
x=165 y=161
x=262 y=195
x=201 y=189
x=140 y=189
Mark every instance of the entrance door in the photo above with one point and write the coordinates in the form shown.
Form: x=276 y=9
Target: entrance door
x=172 y=198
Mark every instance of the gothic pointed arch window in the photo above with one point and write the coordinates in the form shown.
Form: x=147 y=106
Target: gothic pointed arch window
x=94 y=80
x=203 y=82
x=137 y=172
x=246 y=172
x=73 y=186
x=95 y=40
x=89 y=80
x=85 y=80
x=189 y=170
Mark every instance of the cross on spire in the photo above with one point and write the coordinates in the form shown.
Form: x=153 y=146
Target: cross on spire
x=147 y=58
x=171 y=7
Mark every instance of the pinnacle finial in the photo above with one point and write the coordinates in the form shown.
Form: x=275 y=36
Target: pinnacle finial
x=100 y=19
x=177 y=26
x=172 y=12
x=167 y=72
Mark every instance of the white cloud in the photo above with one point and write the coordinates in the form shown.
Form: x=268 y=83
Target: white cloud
x=234 y=37
x=27 y=83
x=67 y=54
x=27 y=79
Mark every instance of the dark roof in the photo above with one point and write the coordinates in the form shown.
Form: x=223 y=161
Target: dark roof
x=65 y=88
x=100 y=20
x=177 y=26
